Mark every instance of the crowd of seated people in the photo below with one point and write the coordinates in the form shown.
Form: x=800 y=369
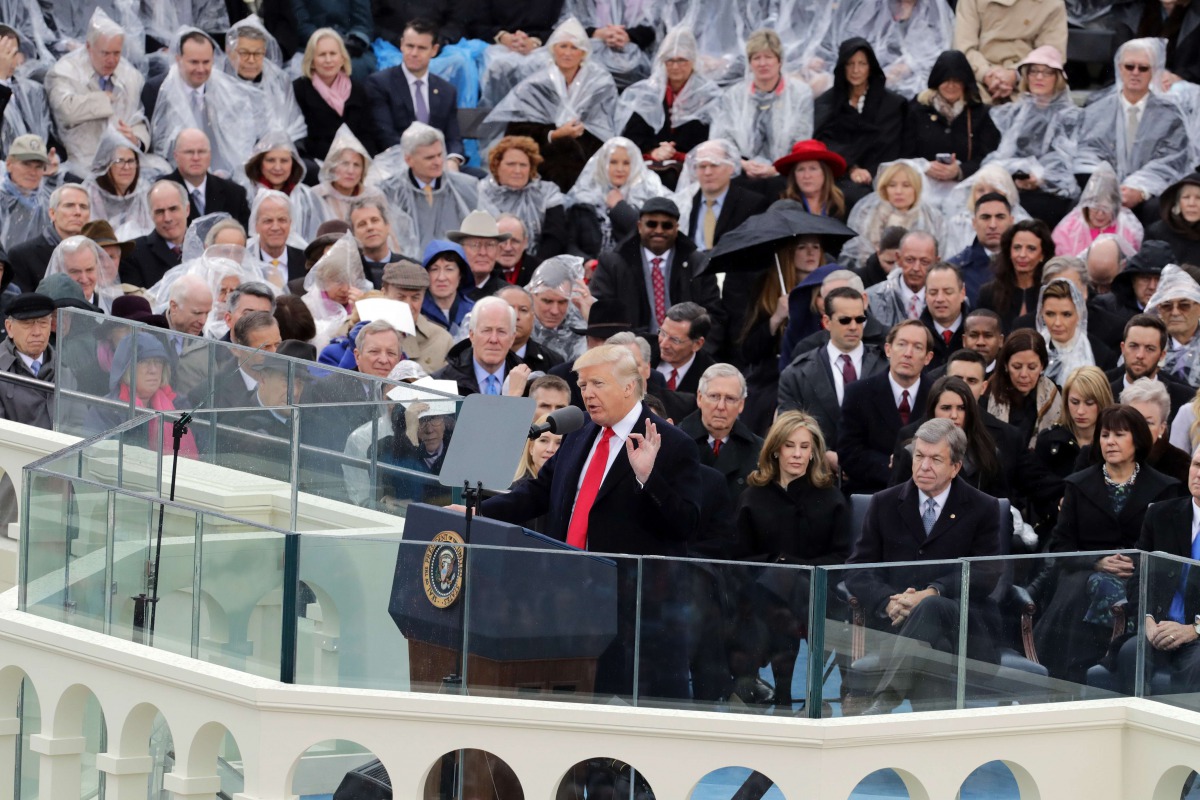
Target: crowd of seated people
x=970 y=280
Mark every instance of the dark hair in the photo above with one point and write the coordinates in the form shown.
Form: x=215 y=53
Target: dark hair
x=986 y=313
x=699 y=323
x=891 y=236
x=1019 y=341
x=294 y=318
x=422 y=26
x=1002 y=266
x=992 y=197
x=908 y=323
x=1119 y=418
x=1147 y=321
x=253 y=289
x=655 y=405
x=196 y=36
x=964 y=354
x=942 y=266
x=981 y=448
x=844 y=293
x=251 y=321
x=548 y=382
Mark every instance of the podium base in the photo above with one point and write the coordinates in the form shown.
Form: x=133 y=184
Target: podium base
x=429 y=664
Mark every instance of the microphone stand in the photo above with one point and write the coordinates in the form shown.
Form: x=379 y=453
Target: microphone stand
x=179 y=429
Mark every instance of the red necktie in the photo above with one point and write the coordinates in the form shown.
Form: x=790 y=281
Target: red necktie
x=716 y=447
x=672 y=382
x=947 y=335
x=849 y=376
x=660 y=290
x=904 y=408
x=578 y=529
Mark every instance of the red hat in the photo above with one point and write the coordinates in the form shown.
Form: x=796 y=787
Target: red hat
x=812 y=150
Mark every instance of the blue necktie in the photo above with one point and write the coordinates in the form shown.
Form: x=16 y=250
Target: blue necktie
x=929 y=518
x=106 y=84
x=1177 y=611
x=35 y=368
x=491 y=385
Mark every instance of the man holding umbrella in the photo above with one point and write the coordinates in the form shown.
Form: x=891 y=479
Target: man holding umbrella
x=658 y=268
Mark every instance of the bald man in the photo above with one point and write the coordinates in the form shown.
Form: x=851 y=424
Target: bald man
x=207 y=193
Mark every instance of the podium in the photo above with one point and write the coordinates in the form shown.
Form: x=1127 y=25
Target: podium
x=536 y=615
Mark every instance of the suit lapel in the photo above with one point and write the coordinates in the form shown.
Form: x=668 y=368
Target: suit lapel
x=948 y=517
x=621 y=468
x=909 y=512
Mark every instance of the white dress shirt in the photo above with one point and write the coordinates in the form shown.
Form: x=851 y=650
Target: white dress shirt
x=621 y=432
x=666 y=369
x=835 y=365
x=898 y=392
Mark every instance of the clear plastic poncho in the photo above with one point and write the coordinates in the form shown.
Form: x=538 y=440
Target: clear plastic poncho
x=545 y=98
x=23 y=215
x=129 y=214
x=559 y=274
x=107 y=285
x=1175 y=284
x=697 y=100
x=337 y=205
x=232 y=120
x=906 y=50
x=592 y=187
x=341 y=266
x=688 y=185
x=37 y=40
x=802 y=26
x=1066 y=357
x=1074 y=235
x=222 y=268
x=1160 y=153
x=277 y=101
x=628 y=64
x=765 y=127
x=163 y=19
x=28 y=110
x=872 y=214
x=528 y=204
x=958 y=211
x=308 y=209
x=1039 y=139
x=294 y=239
x=721 y=29
x=455 y=197
x=74 y=19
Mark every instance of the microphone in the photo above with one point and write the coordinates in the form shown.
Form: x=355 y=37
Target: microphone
x=562 y=422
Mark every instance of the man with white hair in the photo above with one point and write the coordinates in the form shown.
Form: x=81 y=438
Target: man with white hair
x=645 y=468
x=556 y=318
x=482 y=363
x=1151 y=399
x=94 y=87
x=1141 y=135
x=272 y=221
x=69 y=210
x=1177 y=303
x=188 y=305
x=437 y=200
x=723 y=441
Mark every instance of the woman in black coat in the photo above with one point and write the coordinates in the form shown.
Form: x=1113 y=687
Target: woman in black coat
x=1180 y=223
x=348 y=103
x=859 y=119
x=791 y=513
x=1102 y=509
x=949 y=117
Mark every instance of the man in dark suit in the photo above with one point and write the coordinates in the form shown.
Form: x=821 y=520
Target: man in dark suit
x=1133 y=286
x=934 y=516
x=722 y=440
x=410 y=93
x=945 y=310
x=681 y=337
x=991 y=220
x=1172 y=613
x=482 y=363
x=1142 y=348
x=649 y=273
x=162 y=248
x=631 y=490
x=874 y=410
x=273 y=226
x=235 y=384
x=69 y=210
x=816 y=381
x=207 y=193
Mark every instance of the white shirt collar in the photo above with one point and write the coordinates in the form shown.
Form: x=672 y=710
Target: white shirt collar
x=666 y=368
x=1140 y=105
x=28 y=361
x=408 y=76
x=938 y=499
x=267 y=259
x=250 y=382
x=856 y=355
x=203 y=187
x=954 y=326
x=649 y=259
x=898 y=391
x=624 y=426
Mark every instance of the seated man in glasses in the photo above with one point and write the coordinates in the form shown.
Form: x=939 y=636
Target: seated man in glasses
x=1142 y=135
x=657 y=269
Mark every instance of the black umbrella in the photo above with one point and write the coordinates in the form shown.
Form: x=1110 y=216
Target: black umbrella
x=754 y=243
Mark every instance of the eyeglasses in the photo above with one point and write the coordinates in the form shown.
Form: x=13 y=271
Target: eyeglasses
x=717 y=399
x=1136 y=67
x=124 y=162
x=250 y=54
x=847 y=320
x=479 y=244
x=675 y=340
x=653 y=224
x=1182 y=306
x=1042 y=72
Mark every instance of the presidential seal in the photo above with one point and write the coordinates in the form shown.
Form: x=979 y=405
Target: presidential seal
x=442 y=569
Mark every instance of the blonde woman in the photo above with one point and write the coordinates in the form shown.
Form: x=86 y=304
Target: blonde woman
x=537 y=452
x=328 y=98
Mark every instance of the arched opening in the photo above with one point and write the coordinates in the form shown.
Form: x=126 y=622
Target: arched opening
x=340 y=769
x=78 y=713
x=318 y=627
x=476 y=774
x=740 y=782
x=214 y=751
x=146 y=733
x=999 y=780
x=889 y=783
x=1178 y=783
x=19 y=700
x=603 y=777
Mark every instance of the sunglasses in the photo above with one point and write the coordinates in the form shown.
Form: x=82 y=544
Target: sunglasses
x=847 y=320
x=654 y=224
x=1136 y=67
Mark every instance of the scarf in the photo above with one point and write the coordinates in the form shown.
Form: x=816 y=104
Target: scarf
x=10 y=189
x=949 y=111
x=163 y=400
x=335 y=94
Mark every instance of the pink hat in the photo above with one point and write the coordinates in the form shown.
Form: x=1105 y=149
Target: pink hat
x=1047 y=55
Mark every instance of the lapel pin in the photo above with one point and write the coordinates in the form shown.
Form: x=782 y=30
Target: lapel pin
x=435 y=91
x=952 y=517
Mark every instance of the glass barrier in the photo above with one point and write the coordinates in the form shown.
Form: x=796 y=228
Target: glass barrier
x=1164 y=602
x=724 y=636
x=895 y=633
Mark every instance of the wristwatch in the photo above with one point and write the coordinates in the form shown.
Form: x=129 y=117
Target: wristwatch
x=1196 y=625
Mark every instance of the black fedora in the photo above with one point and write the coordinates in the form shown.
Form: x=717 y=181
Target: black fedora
x=606 y=318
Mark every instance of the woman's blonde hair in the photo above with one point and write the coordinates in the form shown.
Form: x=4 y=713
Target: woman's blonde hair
x=526 y=468
x=1088 y=383
x=764 y=39
x=889 y=174
x=310 y=51
x=787 y=423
